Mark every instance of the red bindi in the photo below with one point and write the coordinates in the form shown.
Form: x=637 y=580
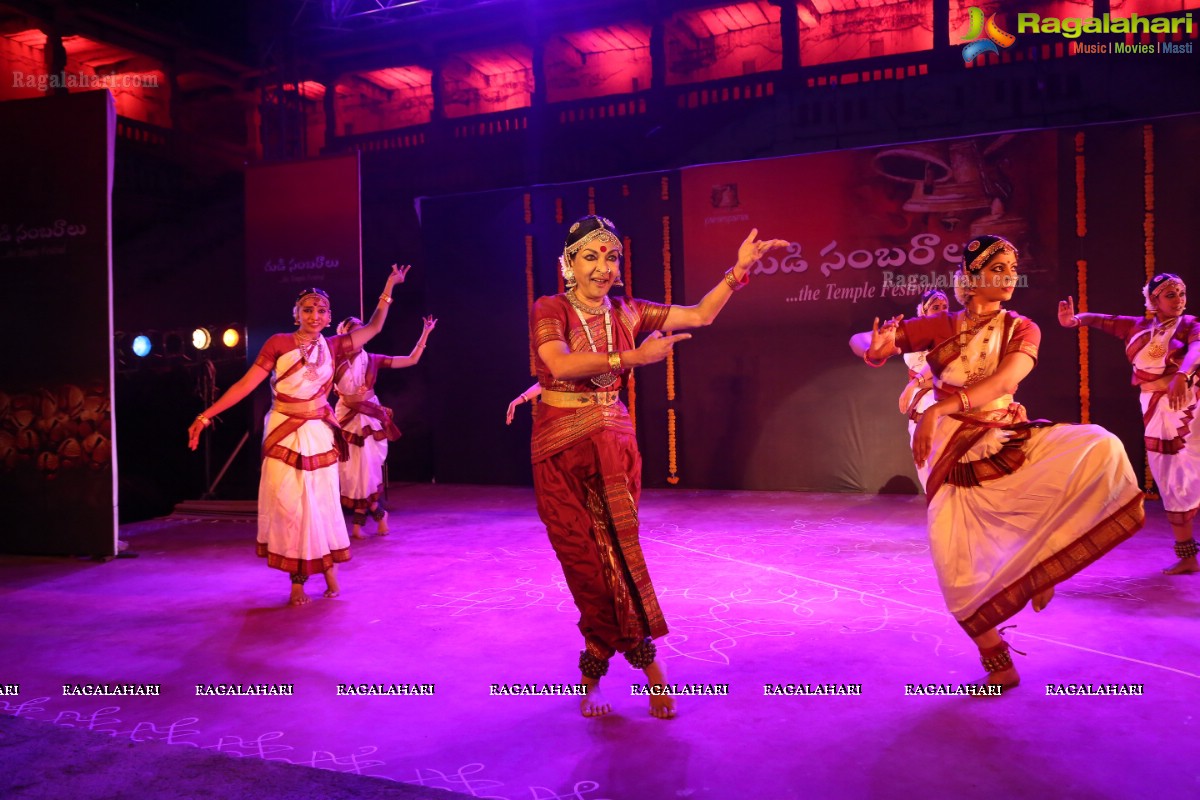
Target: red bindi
x=603 y=249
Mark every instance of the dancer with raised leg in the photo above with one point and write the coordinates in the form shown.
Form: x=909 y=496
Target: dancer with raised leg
x=1014 y=507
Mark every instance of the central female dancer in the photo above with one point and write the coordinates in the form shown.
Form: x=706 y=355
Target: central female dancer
x=587 y=472
x=1014 y=507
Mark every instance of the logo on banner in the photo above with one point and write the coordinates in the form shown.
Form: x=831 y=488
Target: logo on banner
x=984 y=36
x=725 y=195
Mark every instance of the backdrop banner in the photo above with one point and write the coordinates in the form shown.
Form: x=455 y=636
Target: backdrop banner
x=303 y=229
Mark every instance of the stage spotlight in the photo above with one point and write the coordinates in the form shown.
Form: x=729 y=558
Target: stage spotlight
x=141 y=346
x=231 y=337
x=201 y=338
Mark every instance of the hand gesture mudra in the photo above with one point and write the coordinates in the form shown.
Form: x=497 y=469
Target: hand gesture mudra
x=1066 y=313
x=398 y=274
x=658 y=345
x=751 y=250
x=429 y=322
x=883 y=337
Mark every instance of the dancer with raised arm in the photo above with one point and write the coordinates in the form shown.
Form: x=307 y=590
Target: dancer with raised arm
x=367 y=426
x=586 y=465
x=300 y=526
x=1164 y=350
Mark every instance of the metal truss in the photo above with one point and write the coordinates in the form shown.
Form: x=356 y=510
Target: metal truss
x=357 y=13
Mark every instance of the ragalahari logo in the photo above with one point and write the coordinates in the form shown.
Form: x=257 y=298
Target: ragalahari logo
x=983 y=36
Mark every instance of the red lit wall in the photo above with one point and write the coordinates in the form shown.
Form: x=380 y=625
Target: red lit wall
x=880 y=30
x=695 y=54
x=143 y=95
x=572 y=75
x=20 y=64
x=487 y=83
x=363 y=106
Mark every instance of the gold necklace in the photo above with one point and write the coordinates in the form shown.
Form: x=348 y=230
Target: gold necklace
x=1157 y=348
x=306 y=348
x=605 y=305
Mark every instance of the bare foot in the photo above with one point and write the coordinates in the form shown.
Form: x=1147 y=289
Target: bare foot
x=356 y=532
x=298 y=597
x=1042 y=599
x=1185 y=566
x=381 y=526
x=332 y=588
x=594 y=704
x=661 y=705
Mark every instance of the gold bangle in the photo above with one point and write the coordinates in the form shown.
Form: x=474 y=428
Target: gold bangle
x=733 y=283
x=203 y=420
x=964 y=400
x=614 y=362
x=386 y=298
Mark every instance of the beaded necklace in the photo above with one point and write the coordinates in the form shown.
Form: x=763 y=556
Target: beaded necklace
x=608 y=378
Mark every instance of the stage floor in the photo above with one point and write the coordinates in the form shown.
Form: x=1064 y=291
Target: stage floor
x=757 y=587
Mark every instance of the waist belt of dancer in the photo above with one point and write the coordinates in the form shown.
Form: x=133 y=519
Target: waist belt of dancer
x=579 y=399
x=1151 y=382
x=945 y=391
x=309 y=409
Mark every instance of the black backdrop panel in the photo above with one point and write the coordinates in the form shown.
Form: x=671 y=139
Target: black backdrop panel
x=57 y=467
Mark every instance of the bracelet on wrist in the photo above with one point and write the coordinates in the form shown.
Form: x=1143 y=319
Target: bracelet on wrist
x=385 y=298
x=614 y=362
x=964 y=400
x=870 y=363
x=733 y=283
x=203 y=420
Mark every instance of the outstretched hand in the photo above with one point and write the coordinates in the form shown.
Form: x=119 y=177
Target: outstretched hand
x=398 y=274
x=1066 y=313
x=429 y=322
x=751 y=250
x=883 y=337
x=657 y=346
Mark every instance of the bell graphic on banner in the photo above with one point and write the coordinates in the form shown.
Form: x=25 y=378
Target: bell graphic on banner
x=947 y=179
